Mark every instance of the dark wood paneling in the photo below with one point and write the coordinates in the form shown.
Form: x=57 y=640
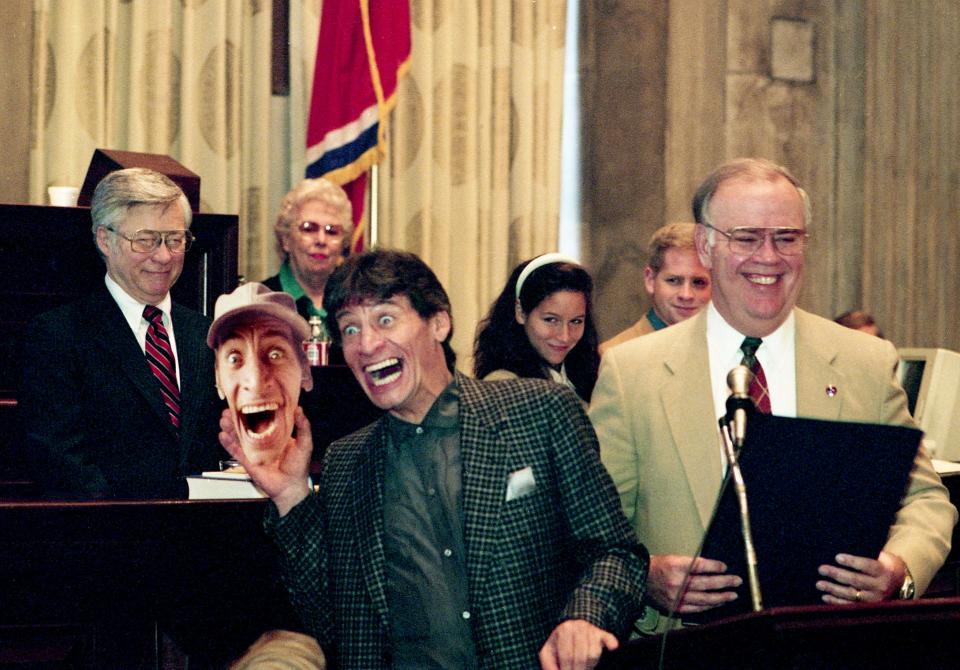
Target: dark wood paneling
x=95 y=585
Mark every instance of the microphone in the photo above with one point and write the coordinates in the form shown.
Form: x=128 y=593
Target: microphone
x=739 y=404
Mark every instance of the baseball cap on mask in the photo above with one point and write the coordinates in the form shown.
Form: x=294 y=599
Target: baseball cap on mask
x=251 y=300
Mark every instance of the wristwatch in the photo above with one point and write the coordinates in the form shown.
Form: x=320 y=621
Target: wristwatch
x=908 y=589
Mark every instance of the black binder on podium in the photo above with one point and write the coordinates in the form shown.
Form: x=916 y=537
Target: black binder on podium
x=815 y=489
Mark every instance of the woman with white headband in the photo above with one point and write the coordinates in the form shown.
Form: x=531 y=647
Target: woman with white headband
x=541 y=326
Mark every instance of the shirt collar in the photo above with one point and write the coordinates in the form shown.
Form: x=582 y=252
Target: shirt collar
x=133 y=309
x=289 y=284
x=725 y=340
x=655 y=321
x=560 y=376
x=444 y=413
x=776 y=354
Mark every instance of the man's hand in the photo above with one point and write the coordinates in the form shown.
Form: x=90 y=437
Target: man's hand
x=704 y=589
x=575 y=645
x=860 y=579
x=286 y=479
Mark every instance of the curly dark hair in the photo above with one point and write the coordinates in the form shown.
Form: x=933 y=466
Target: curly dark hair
x=381 y=274
x=502 y=344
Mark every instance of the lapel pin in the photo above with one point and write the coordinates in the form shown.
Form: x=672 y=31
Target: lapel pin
x=831 y=390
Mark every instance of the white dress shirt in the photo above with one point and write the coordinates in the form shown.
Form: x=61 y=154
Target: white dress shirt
x=776 y=354
x=560 y=376
x=133 y=313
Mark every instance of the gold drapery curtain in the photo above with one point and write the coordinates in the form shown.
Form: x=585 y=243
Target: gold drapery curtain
x=189 y=79
x=472 y=177
x=471 y=181
x=304 y=31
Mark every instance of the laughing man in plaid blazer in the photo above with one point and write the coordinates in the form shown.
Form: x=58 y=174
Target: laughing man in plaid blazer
x=473 y=526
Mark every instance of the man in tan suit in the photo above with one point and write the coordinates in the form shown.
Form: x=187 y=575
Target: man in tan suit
x=675 y=280
x=656 y=403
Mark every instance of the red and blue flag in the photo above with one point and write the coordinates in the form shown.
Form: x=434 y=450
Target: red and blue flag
x=363 y=51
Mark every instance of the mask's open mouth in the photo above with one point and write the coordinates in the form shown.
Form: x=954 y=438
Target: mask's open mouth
x=259 y=421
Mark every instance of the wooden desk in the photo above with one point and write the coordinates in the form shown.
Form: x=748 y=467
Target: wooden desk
x=947 y=581
x=871 y=636
x=99 y=584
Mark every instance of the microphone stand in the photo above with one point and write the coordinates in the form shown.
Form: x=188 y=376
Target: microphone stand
x=734 y=433
x=740 y=488
x=739 y=405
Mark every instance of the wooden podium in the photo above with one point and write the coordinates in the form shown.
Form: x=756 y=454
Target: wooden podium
x=900 y=634
x=92 y=585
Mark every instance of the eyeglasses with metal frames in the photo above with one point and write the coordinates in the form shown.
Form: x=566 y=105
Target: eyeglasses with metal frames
x=329 y=229
x=746 y=241
x=148 y=241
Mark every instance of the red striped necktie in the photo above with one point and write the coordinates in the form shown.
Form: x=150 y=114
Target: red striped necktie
x=758 y=386
x=162 y=363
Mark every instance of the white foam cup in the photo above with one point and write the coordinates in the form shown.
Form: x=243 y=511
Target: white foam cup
x=63 y=196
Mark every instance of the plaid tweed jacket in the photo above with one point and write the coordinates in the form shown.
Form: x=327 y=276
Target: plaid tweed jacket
x=563 y=551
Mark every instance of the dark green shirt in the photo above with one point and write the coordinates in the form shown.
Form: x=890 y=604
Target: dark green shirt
x=655 y=321
x=427 y=595
x=289 y=284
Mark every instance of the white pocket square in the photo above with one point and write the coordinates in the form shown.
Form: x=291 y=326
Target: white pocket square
x=521 y=483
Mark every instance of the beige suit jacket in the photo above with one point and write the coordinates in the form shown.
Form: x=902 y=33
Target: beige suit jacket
x=653 y=412
x=641 y=327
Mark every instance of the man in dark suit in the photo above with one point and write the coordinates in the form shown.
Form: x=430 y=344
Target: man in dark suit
x=473 y=526
x=114 y=405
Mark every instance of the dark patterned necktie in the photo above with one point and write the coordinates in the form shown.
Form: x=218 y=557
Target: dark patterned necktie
x=758 y=386
x=162 y=363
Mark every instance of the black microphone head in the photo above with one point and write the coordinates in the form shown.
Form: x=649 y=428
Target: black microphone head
x=738 y=381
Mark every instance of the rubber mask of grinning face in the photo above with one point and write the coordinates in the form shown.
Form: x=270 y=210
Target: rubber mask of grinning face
x=260 y=367
x=259 y=374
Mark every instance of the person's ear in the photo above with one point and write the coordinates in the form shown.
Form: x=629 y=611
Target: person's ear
x=440 y=325
x=346 y=245
x=102 y=242
x=306 y=377
x=704 y=247
x=306 y=382
x=649 y=280
x=216 y=378
x=518 y=313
